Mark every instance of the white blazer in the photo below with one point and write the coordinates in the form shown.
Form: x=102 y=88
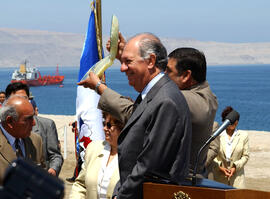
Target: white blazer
x=239 y=157
x=85 y=185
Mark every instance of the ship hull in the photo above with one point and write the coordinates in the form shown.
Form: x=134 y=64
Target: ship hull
x=44 y=81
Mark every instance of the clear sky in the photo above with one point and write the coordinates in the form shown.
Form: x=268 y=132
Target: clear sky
x=205 y=20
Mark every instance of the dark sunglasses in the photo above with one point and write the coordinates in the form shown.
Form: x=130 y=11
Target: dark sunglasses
x=109 y=125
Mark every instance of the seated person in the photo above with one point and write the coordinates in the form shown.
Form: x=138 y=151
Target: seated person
x=100 y=173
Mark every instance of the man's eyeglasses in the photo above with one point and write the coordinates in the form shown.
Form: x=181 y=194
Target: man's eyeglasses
x=109 y=125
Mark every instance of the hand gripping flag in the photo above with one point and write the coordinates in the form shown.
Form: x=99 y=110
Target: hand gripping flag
x=88 y=116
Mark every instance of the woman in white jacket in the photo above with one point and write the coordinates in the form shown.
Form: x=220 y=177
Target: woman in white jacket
x=100 y=171
x=233 y=155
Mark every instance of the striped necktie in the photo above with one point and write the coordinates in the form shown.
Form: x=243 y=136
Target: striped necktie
x=19 y=153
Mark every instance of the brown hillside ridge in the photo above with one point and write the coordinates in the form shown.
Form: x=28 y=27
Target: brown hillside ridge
x=44 y=48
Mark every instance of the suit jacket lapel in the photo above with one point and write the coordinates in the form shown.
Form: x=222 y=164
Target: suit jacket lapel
x=139 y=110
x=30 y=150
x=142 y=106
x=99 y=154
x=6 y=149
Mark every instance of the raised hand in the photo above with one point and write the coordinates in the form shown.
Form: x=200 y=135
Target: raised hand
x=121 y=45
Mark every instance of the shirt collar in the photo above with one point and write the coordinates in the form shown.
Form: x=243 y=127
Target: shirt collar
x=151 y=84
x=229 y=141
x=9 y=137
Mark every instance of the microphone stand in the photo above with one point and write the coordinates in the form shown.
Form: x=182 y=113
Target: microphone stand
x=194 y=179
x=230 y=119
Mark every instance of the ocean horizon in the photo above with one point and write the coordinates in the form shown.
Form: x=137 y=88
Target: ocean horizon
x=245 y=88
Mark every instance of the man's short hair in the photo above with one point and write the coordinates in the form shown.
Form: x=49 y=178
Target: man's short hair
x=150 y=43
x=190 y=59
x=8 y=110
x=13 y=87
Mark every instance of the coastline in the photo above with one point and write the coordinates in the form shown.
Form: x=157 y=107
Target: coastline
x=257 y=171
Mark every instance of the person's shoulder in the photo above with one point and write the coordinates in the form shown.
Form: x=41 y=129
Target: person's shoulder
x=35 y=137
x=95 y=147
x=170 y=89
x=44 y=119
x=242 y=133
x=97 y=143
x=198 y=91
x=189 y=94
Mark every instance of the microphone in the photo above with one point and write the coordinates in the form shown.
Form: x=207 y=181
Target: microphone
x=229 y=120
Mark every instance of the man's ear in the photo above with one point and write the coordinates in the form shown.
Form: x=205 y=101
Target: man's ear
x=186 y=76
x=9 y=121
x=152 y=61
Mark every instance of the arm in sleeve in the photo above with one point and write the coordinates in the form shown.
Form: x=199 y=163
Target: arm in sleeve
x=217 y=161
x=239 y=164
x=42 y=158
x=116 y=188
x=212 y=151
x=53 y=150
x=78 y=190
x=116 y=105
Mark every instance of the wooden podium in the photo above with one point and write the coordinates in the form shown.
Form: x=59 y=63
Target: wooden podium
x=164 y=191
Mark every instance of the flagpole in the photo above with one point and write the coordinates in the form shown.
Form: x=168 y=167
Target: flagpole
x=98 y=24
x=99 y=15
x=89 y=118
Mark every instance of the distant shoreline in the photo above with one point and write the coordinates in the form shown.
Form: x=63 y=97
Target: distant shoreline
x=115 y=67
x=41 y=48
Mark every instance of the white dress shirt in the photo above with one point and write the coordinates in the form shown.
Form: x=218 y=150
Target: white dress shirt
x=106 y=172
x=151 y=84
x=229 y=141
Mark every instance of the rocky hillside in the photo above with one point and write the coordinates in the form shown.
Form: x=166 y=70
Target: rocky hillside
x=43 y=48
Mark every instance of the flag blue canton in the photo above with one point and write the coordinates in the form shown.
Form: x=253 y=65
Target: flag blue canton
x=90 y=51
x=89 y=118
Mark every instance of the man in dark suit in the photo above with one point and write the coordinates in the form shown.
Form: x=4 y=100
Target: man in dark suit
x=156 y=139
x=16 y=139
x=46 y=129
x=187 y=68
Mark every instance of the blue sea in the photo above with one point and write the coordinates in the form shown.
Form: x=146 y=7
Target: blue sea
x=245 y=88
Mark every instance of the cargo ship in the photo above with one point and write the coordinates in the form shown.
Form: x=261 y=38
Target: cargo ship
x=32 y=77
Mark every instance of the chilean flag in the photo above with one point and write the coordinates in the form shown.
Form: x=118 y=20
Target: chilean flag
x=89 y=118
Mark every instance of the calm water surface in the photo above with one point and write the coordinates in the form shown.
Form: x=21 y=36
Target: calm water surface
x=246 y=88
